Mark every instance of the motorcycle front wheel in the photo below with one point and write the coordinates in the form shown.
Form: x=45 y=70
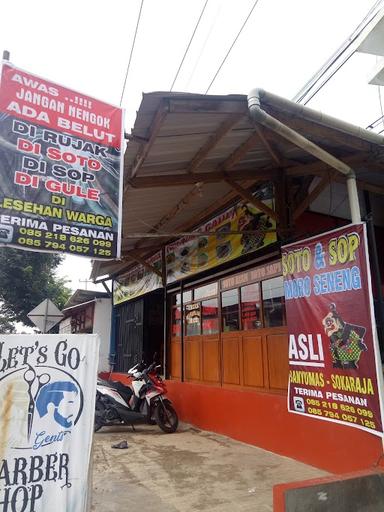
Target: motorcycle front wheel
x=166 y=417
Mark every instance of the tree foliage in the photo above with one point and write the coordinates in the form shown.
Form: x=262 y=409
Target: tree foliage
x=6 y=327
x=26 y=279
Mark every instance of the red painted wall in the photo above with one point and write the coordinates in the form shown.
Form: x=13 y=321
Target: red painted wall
x=116 y=376
x=262 y=419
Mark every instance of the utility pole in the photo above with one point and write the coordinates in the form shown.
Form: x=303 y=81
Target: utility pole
x=85 y=281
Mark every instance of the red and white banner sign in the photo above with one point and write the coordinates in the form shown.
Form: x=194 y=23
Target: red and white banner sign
x=61 y=167
x=334 y=363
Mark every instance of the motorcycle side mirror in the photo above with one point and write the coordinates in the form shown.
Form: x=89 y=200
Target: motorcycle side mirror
x=133 y=369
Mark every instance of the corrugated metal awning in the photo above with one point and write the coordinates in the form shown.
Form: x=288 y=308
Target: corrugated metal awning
x=189 y=155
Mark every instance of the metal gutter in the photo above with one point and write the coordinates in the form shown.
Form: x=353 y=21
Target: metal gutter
x=277 y=102
x=260 y=116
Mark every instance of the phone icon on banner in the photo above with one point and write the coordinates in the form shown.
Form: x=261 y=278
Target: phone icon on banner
x=6 y=233
x=298 y=404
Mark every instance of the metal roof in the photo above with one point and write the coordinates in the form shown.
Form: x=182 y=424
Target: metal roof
x=184 y=148
x=81 y=297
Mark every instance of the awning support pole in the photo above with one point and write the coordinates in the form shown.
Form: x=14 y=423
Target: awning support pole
x=353 y=198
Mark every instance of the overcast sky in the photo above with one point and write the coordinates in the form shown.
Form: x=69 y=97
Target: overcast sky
x=85 y=45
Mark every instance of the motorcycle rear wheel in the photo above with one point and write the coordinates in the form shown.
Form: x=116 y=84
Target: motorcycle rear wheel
x=99 y=411
x=166 y=417
x=98 y=422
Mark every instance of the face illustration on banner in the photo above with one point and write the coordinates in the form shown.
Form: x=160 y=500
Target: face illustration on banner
x=334 y=357
x=46 y=423
x=57 y=400
x=54 y=404
x=346 y=340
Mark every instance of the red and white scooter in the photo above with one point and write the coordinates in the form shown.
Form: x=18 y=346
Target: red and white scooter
x=144 y=401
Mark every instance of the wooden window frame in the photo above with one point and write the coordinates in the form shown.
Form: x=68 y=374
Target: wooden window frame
x=218 y=315
x=238 y=310
x=272 y=341
x=261 y=307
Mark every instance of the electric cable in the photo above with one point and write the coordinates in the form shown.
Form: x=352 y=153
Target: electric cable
x=131 y=53
x=232 y=45
x=374 y=123
x=203 y=46
x=326 y=80
x=315 y=79
x=189 y=44
x=380 y=103
x=380 y=119
x=336 y=55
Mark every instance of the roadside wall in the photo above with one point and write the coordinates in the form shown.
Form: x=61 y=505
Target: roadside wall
x=102 y=326
x=262 y=419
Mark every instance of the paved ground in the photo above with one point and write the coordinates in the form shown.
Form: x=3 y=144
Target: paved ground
x=188 y=471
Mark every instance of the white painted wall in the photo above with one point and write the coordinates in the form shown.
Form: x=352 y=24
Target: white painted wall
x=102 y=327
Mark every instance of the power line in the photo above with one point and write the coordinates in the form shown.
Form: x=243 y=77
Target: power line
x=132 y=48
x=379 y=120
x=204 y=45
x=232 y=45
x=380 y=102
x=189 y=44
x=376 y=121
x=326 y=80
x=336 y=55
x=304 y=93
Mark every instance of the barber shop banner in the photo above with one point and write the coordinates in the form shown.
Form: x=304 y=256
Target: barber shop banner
x=334 y=361
x=47 y=400
x=61 y=166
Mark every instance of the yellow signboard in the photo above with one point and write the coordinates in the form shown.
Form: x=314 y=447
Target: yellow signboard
x=138 y=281
x=190 y=255
x=194 y=254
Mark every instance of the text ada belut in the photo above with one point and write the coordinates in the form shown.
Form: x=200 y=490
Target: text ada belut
x=63 y=123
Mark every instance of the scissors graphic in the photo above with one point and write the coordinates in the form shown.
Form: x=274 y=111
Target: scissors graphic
x=30 y=377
